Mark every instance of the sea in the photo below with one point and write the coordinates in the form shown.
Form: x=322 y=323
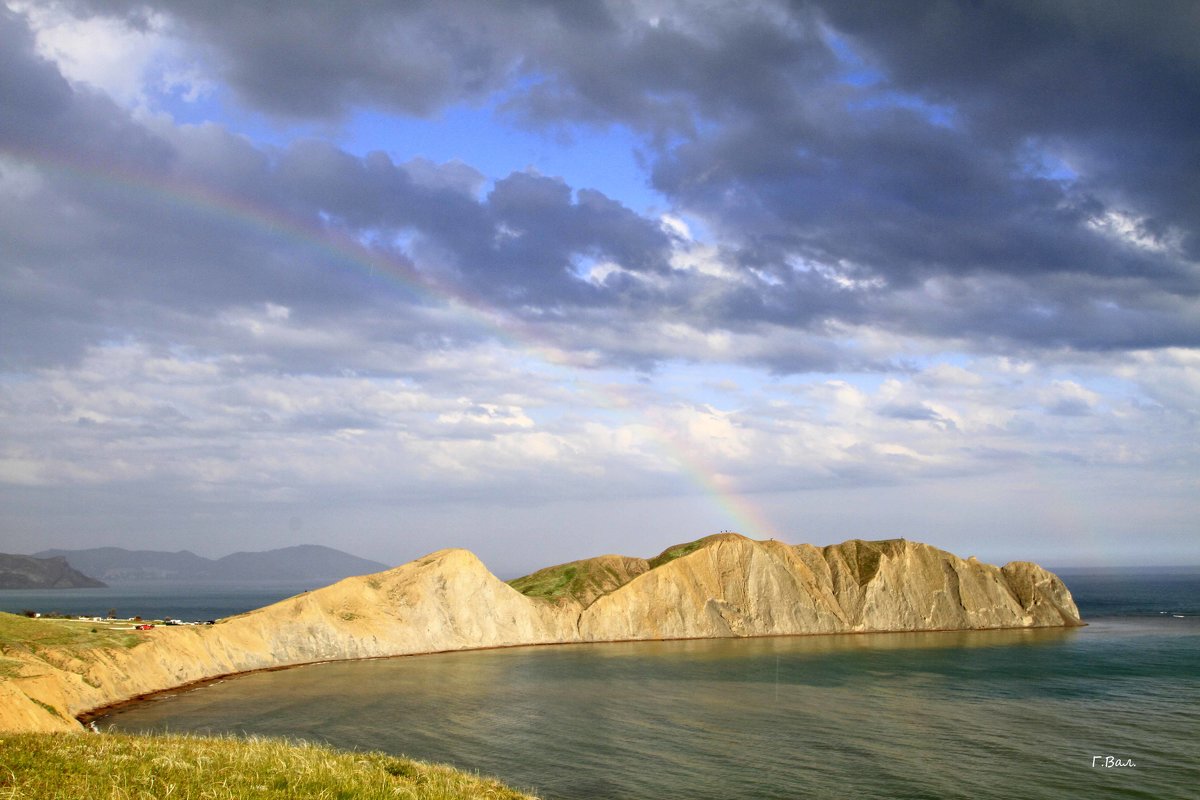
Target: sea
x=1111 y=710
x=190 y=602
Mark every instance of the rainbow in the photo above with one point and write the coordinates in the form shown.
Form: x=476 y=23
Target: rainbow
x=201 y=199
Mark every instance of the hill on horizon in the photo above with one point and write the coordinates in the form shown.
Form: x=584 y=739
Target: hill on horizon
x=306 y=562
x=33 y=572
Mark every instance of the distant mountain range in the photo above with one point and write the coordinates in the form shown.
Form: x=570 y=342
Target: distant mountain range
x=308 y=562
x=28 y=572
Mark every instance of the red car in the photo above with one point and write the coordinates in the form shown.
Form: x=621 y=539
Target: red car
x=144 y=627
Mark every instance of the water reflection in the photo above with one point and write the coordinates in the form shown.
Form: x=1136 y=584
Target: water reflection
x=922 y=714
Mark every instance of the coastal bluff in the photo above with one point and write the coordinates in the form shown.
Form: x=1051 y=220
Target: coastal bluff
x=724 y=585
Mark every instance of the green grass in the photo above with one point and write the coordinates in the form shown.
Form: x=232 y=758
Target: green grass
x=550 y=583
x=41 y=766
x=678 y=551
x=580 y=580
x=588 y=579
x=71 y=635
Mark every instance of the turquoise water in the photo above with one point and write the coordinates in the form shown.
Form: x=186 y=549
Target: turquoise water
x=985 y=714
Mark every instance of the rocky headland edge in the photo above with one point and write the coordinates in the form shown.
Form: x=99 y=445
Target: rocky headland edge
x=724 y=585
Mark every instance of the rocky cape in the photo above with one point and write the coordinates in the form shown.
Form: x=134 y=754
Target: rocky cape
x=720 y=586
x=28 y=572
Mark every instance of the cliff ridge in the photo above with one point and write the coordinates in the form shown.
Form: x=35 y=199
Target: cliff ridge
x=720 y=586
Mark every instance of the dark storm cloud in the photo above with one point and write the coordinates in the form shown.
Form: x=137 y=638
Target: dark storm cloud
x=937 y=169
x=674 y=73
x=586 y=60
x=973 y=142
x=923 y=174
x=1115 y=83
x=518 y=244
x=320 y=59
x=42 y=112
x=177 y=236
x=541 y=229
x=49 y=299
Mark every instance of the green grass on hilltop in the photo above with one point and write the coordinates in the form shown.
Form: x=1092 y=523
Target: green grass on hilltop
x=41 y=766
x=681 y=550
x=588 y=579
x=582 y=580
x=678 y=551
x=550 y=583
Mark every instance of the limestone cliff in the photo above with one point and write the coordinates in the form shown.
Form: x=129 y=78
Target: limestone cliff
x=732 y=586
x=723 y=585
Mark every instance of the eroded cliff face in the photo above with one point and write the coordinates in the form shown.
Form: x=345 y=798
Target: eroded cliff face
x=724 y=585
x=733 y=586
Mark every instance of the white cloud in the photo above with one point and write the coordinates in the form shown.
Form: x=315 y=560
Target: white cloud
x=127 y=62
x=703 y=259
x=1133 y=230
x=1169 y=378
x=485 y=415
x=208 y=428
x=1068 y=398
x=676 y=226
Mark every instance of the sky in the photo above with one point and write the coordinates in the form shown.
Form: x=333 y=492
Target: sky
x=547 y=280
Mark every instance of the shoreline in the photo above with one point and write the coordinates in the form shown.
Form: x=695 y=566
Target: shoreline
x=85 y=718
x=719 y=587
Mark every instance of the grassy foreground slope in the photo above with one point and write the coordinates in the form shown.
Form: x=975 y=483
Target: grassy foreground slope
x=40 y=766
x=119 y=766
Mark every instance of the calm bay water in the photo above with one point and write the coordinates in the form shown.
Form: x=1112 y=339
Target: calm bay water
x=984 y=714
